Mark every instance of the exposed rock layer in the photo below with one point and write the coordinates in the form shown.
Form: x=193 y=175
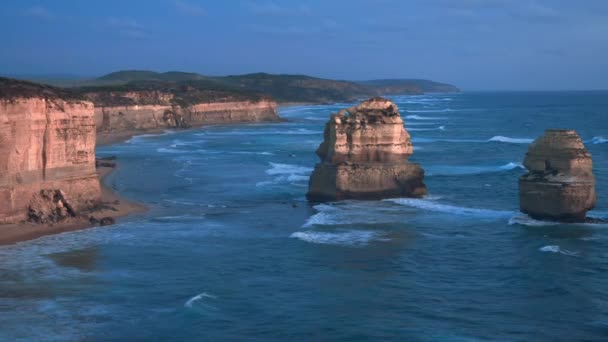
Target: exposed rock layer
x=560 y=184
x=146 y=110
x=364 y=156
x=47 y=147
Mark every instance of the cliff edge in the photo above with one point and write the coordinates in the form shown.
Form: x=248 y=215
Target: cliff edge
x=47 y=153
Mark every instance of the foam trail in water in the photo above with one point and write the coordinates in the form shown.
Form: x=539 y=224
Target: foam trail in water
x=278 y=169
x=557 y=249
x=526 y=220
x=418 y=117
x=198 y=297
x=430 y=111
x=299 y=131
x=449 y=209
x=286 y=173
x=446 y=170
x=598 y=140
x=440 y=128
x=500 y=138
x=343 y=237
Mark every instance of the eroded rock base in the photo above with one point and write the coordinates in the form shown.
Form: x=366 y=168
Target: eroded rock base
x=365 y=181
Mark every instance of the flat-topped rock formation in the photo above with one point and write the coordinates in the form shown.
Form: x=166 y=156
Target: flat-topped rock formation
x=364 y=156
x=47 y=153
x=560 y=185
x=161 y=105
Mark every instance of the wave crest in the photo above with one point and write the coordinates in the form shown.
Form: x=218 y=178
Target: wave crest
x=503 y=139
x=449 y=209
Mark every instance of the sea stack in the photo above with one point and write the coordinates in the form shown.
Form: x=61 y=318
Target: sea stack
x=47 y=154
x=364 y=155
x=560 y=185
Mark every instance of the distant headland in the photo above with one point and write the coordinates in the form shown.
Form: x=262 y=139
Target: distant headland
x=283 y=88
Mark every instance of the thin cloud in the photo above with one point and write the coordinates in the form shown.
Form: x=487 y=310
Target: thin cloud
x=40 y=13
x=188 y=8
x=272 y=8
x=126 y=27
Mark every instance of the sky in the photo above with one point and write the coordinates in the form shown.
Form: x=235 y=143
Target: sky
x=474 y=44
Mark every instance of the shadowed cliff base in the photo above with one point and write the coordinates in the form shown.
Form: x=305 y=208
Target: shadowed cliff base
x=114 y=207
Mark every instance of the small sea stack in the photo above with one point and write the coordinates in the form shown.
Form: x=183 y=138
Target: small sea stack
x=364 y=155
x=560 y=185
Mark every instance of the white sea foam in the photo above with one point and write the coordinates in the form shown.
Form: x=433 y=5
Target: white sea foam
x=248 y=152
x=352 y=238
x=429 y=111
x=139 y=138
x=199 y=297
x=440 y=128
x=280 y=169
x=449 y=209
x=450 y=170
x=286 y=173
x=418 y=117
x=557 y=249
x=526 y=220
x=500 y=138
x=170 y=150
x=355 y=212
x=299 y=131
x=599 y=140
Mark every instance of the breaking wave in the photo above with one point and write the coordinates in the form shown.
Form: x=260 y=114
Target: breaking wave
x=599 y=140
x=418 y=117
x=440 y=128
x=449 y=209
x=446 y=170
x=286 y=173
x=353 y=238
x=557 y=249
x=430 y=111
x=526 y=220
x=500 y=138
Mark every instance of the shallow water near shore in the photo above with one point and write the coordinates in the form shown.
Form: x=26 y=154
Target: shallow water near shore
x=231 y=250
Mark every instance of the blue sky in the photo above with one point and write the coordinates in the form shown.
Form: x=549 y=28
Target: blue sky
x=475 y=44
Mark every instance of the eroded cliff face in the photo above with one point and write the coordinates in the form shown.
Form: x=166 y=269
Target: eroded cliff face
x=560 y=184
x=47 y=153
x=364 y=156
x=146 y=110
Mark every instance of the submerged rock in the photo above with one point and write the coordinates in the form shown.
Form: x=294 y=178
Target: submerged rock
x=364 y=156
x=560 y=185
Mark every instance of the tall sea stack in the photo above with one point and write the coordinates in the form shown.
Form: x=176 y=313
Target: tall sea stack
x=560 y=185
x=364 y=156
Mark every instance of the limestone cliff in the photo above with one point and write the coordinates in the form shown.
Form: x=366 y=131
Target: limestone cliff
x=47 y=152
x=160 y=105
x=560 y=184
x=364 y=156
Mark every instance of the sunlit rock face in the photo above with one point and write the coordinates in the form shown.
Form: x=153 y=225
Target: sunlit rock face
x=560 y=184
x=47 y=143
x=364 y=156
x=117 y=111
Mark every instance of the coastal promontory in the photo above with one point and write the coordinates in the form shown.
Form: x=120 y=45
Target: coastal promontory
x=364 y=155
x=47 y=153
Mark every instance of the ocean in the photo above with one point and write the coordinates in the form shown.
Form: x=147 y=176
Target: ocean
x=231 y=250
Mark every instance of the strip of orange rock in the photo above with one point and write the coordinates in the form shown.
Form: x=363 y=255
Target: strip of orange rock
x=45 y=143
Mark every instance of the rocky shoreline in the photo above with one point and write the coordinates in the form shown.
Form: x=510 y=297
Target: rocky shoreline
x=115 y=207
x=49 y=176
